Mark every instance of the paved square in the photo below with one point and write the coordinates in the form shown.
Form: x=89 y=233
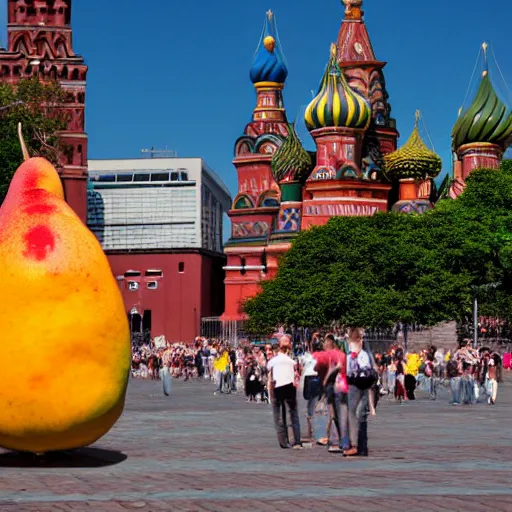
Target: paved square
x=199 y=452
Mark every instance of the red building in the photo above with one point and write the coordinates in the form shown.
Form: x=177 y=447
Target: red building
x=40 y=45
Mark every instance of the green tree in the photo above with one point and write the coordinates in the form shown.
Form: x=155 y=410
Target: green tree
x=34 y=104
x=389 y=268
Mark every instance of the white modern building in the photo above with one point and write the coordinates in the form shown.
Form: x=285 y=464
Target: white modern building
x=156 y=203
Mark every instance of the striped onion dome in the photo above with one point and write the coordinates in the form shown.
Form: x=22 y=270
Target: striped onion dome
x=336 y=104
x=414 y=159
x=291 y=162
x=487 y=119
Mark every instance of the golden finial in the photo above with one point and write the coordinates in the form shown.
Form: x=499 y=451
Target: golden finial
x=270 y=14
x=485 y=45
x=417 y=118
x=353 y=9
x=334 y=50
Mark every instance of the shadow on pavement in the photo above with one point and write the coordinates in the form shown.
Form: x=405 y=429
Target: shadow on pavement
x=80 y=458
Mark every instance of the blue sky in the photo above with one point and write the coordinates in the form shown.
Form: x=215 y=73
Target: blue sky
x=176 y=73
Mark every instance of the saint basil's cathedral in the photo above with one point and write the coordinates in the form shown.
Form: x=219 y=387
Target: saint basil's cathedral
x=356 y=170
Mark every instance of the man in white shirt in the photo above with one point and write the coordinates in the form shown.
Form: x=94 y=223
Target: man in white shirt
x=282 y=384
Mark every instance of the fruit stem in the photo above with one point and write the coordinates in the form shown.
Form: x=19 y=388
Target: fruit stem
x=24 y=149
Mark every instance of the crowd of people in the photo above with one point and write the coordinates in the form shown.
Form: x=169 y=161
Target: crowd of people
x=471 y=374
x=338 y=374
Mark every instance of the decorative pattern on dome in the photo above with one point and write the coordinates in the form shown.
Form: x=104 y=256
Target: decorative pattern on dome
x=486 y=120
x=413 y=159
x=336 y=104
x=291 y=162
x=269 y=64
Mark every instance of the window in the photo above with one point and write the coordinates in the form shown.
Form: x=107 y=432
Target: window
x=183 y=176
x=174 y=176
x=107 y=178
x=154 y=273
x=125 y=178
x=242 y=264
x=133 y=286
x=140 y=177
x=160 y=176
x=79 y=148
x=132 y=273
x=152 y=285
x=181 y=267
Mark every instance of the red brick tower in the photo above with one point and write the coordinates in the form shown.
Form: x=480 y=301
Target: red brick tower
x=40 y=44
x=364 y=73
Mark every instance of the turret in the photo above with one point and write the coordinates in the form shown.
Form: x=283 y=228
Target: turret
x=337 y=118
x=257 y=205
x=483 y=131
x=414 y=165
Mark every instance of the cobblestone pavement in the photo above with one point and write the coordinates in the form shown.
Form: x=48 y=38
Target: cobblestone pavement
x=199 y=452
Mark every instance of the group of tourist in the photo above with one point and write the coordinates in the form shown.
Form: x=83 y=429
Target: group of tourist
x=471 y=374
x=338 y=374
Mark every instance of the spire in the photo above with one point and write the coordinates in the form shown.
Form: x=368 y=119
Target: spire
x=354 y=43
x=269 y=63
x=487 y=119
x=336 y=104
x=414 y=159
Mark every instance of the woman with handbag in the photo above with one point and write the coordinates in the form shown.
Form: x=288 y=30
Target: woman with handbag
x=361 y=377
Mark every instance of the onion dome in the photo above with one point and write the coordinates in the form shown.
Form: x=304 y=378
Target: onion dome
x=291 y=162
x=413 y=159
x=269 y=64
x=336 y=104
x=487 y=119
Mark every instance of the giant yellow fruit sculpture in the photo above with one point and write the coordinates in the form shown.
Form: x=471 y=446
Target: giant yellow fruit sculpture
x=65 y=343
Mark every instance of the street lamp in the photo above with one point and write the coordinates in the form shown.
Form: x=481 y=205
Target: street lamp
x=476 y=289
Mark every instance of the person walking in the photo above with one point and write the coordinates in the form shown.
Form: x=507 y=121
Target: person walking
x=312 y=390
x=336 y=389
x=361 y=377
x=284 y=394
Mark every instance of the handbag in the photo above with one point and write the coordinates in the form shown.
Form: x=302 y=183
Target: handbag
x=341 y=383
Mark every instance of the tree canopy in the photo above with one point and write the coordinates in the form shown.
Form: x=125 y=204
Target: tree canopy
x=377 y=271
x=33 y=103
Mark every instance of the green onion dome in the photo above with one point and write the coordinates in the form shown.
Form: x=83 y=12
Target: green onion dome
x=413 y=159
x=487 y=120
x=291 y=162
x=336 y=104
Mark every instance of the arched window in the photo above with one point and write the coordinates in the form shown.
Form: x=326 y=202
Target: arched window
x=76 y=74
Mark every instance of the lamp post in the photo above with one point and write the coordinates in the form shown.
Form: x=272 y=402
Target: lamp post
x=476 y=290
